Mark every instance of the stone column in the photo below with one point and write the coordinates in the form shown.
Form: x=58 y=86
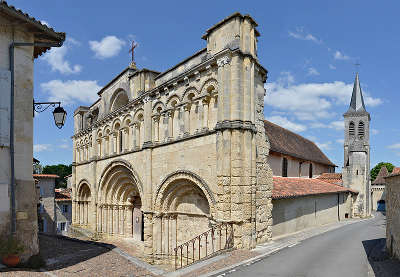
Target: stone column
x=114 y=143
x=73 y=212
x=125 y=139
x=98 y=154
x=137 y=135
x=170 y=125
x=129 y=221
x=156 y=128
x=148 y=237
x=131 y=143
x=205 y=114
x=147 y=120
x=121 y=219
x=186 y=110
x=106 y=146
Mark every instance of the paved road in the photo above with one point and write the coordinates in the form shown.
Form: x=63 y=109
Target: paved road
x=341 y=252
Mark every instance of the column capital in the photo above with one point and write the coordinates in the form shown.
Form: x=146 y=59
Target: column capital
x=223 y=61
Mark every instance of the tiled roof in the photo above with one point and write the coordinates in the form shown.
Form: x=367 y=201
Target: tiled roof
x=396 y=171
x=333 y=178
x=45 y=176
x=62 y=194
x=285 y=187
x=42 y=32
x=380 y=178
x=288 y=143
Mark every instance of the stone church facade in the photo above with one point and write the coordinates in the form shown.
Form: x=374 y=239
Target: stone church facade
x=163 y=157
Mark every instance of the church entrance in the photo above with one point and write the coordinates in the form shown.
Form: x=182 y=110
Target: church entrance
x=120 y=204
x=137 y=219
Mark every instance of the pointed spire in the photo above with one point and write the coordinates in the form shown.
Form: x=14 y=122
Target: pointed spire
x=357 y=100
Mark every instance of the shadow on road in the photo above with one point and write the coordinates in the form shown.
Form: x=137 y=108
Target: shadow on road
x=60 y=252
x=381 y=264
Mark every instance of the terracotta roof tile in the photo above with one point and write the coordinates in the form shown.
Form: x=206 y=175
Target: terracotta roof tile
x=333 y=178
x=286 y=142
x=45 y=176
x=43 y=33
x=62 y=194
x=285 y=187
x=396 y=171
x=380 y=178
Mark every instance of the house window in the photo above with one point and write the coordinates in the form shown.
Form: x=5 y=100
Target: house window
x=310 y=171
x=284 y=167
x=65 y=208
x=62 y=226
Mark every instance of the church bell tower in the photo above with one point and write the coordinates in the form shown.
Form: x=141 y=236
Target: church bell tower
x=356 y=151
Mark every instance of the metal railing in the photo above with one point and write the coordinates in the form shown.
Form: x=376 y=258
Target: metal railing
x=209 y=243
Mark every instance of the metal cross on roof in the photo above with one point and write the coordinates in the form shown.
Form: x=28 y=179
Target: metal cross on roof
x=132 y=49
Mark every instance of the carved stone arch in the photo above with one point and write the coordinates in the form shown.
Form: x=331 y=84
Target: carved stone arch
x=114 y=123
x=157 y=105
x=163 y=188
x=171 y=100
x=127 y=118
x=207 y=85
x=188 y=92
x=106 y=130
x=128 y=166
x=81 y=186
x=118 y=99
x=137 y=114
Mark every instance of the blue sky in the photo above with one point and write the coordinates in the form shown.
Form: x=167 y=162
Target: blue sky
x=308 y=47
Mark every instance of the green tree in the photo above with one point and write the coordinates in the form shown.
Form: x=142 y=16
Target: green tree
x=377 y=168
x=61 y=170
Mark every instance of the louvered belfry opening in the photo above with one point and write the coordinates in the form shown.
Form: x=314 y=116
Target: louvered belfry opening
x=351 y=129
x=361 y=129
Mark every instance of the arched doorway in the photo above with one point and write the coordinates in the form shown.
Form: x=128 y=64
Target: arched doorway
x=119 y=203
x=184 y=205
x=83 y=205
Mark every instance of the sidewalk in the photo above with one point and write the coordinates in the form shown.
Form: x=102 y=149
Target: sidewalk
x=229 y=261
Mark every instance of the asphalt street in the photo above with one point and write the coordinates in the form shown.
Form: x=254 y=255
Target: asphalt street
x=341 y=252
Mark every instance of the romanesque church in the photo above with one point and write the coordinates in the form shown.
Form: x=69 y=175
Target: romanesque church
x=164 y=157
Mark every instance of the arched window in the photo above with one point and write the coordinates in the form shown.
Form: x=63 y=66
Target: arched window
x=361 y=129
x=284 y=167
x=120 y=99
x=351 y=129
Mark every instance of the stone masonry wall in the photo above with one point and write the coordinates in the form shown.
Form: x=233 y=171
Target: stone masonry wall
x=393 y=215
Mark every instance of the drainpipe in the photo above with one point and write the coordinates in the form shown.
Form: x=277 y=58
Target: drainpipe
x=12 y=183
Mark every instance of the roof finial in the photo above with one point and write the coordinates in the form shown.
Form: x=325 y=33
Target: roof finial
x=132 y=50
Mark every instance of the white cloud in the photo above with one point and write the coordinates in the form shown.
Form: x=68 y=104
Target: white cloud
x=310 y=101
x=341 y=141
x=312 y=71
x=108 y=47
x=374 y=131
x=68 y=92
x=300 y=34
x=394 y=146
x=64 y=146
x=340 y=56
x=337 y=125
x=56 y=58
x=331 y=66
x=324 y=146
x=286 y=123
x=42 y=147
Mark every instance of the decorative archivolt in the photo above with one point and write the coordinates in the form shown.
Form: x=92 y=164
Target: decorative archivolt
x=83 y=190
x=118 y=182
x=127 y=120
x=188 y=92
x=116 y=124
x=157 y=106
x=173 y=98
x=138 y=116
x=165 y=191
x=210 y=86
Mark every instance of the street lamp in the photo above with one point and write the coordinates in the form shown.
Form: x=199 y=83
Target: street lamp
x=59 y=113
